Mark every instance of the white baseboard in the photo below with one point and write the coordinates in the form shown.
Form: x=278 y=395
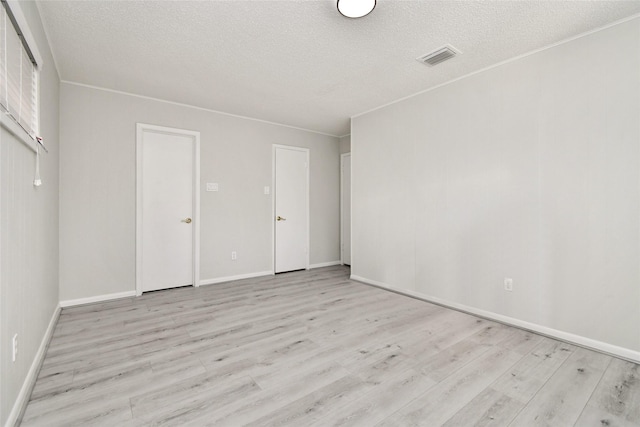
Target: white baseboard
x=98 y=298
x=603 y=347
x=25 y=392
x=232 y=278
x=325 y=264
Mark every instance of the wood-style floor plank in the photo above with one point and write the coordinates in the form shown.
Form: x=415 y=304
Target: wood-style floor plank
x=446 y=398
x=616 y=400
x=316 y=404
x=287 y=391
x=563 y=398
x=526 y=377
x=489 y=408
x=315 y=348
x=376 y=405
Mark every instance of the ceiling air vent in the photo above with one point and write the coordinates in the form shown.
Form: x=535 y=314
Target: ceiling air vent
x=438 y=56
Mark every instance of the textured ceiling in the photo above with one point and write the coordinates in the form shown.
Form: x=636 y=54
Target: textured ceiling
x=299 y=62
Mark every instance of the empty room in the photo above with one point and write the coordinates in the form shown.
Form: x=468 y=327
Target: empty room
x=319 y=213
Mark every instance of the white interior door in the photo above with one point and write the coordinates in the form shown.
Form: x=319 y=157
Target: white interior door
x=345 y=203
x=291 y=202
x=167 y=208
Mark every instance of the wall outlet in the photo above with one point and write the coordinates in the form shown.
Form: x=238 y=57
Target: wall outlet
x=234 y=255
x=212 y=186
x=267 y=190
x=508 y=284
x=15 y=347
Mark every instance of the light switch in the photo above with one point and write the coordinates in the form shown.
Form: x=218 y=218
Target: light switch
x=212 y=186
x=266 y=190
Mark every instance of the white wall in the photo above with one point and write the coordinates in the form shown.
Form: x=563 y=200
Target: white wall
x=28 y=233
x=97 y=198
x=529 y=170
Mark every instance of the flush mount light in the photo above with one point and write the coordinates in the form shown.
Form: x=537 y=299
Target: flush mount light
x=356 y=8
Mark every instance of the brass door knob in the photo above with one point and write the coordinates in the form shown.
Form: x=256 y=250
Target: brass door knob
x=279 y=218
x=188 y=220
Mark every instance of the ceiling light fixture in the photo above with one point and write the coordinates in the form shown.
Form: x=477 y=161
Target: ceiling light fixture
x=356 y=8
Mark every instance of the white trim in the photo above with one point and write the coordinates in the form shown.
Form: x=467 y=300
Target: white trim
x=140 y=129
x=138 y=210
x=30 y=380
x=233 y=278
x=342 y=157
x=180 y=104
x=325 y=264
x=273 y=210
x=347 y=134
x=308 y=151
x=273 y=201
x=351 y=145
x=507 y=61
x=97 y=298
x=196 y=211
x=603 y=347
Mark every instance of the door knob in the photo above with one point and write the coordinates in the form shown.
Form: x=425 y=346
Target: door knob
x=279 y=218
x=188 y=220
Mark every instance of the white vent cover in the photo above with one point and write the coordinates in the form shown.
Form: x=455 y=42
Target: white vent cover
x=438 y=56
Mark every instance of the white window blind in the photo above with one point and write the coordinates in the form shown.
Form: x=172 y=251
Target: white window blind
x=18 y=75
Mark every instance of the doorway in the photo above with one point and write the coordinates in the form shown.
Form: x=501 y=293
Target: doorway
x=345 y=208
x=167 y=208
x=291 y=208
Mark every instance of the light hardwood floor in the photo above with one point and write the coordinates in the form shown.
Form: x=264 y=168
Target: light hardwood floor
x=314 y=348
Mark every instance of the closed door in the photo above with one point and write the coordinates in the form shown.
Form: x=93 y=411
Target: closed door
x=345 y=196
x=291 y=216
x=167 y=208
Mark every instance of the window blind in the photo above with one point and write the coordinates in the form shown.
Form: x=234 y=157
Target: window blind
x=18 y=75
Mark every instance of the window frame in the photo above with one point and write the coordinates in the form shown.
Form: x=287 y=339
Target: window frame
x=7 y=121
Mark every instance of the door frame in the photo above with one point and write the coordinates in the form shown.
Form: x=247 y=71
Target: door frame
x=342 y=233
x=140 y=129
x=273 y=202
